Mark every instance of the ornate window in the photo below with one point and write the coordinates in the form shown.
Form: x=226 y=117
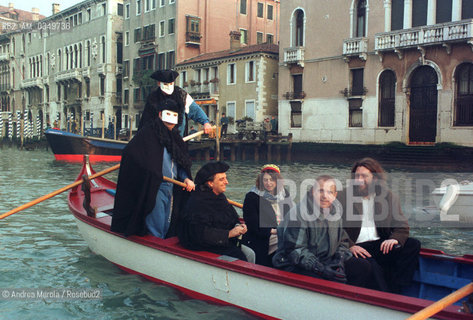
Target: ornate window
x=464 y=95
x=387 y=92
x=298 y=28
x=361 y=19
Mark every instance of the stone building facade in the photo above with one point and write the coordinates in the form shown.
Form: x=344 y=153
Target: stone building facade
x=160 y=33
x=242 y=81
x=65 y=69
x=373 y=72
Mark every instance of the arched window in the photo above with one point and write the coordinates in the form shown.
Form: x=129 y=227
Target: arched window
x=59 y=60
x=80 y=55
x=387 y=93
x=361 y=19
x=464 y=95
x=298 y=28
x=76 y=55
x=88 y=53
x=67 y=58
x=103 y=50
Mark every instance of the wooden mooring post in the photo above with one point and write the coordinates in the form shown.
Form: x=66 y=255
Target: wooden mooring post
x=276 y=149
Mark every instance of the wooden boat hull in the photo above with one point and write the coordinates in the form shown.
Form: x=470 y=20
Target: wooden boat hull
x=223 y=285
x=71 y=147
x=263 y=291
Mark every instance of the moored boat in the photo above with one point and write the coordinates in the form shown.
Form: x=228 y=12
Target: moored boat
x=263 y=291
x=455 y=201
x=71 y=147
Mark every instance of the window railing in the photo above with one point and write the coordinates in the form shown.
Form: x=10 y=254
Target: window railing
x=193 y=37
x=355 y=47
x=294 y=95
x=37 y=82
x=294 y=55
x=458 y=31
x=69 y=74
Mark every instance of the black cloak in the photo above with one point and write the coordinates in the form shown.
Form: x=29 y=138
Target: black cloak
x=206 y=222
x=155 y=100
x=141 y=175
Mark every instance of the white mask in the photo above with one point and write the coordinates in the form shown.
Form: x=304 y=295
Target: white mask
x=167 y=88
x=169 y=116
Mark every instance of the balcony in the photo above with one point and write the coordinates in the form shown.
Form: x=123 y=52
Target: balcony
x=355 y=47
x=86 y=73
x=119 y=69
x=436 y=35
x=31 y=83
x=68 y=75
x=294 y=55
x=4 y=56
x=294 y=95
x=193 y=38
x=5 y=87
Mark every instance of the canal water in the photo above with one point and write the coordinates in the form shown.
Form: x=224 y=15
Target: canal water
x=42 y=248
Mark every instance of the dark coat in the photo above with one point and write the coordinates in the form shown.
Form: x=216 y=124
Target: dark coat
x=207 y=220
x=260 y=218
x=155 y=98
x=389 y=219
x=140 y=176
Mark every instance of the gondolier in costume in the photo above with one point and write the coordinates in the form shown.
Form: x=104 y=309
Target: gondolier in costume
x=143 y=199
x=167 y=90
x=210 y=223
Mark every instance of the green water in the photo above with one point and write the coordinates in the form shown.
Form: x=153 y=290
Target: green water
x=42 y=248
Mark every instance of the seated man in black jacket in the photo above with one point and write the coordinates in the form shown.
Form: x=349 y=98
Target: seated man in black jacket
x=210 y=223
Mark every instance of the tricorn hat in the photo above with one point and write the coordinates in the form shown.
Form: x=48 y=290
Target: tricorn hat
x=208 y=170
x=166 y=76
x=168 y=104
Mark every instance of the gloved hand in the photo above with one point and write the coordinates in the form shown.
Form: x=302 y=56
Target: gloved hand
x=334 y=273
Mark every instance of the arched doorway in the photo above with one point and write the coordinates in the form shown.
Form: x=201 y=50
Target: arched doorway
x=423 y=105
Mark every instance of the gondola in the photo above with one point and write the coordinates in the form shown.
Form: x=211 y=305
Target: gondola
x=262 y=291
x=72 y=147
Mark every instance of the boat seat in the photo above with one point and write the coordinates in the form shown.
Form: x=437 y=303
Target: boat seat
x=104 y=208
x=436 y=279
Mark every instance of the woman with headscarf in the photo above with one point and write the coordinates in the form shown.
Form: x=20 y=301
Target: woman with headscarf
x=264 y=207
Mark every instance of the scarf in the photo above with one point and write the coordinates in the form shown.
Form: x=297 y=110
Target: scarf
x=268 y=196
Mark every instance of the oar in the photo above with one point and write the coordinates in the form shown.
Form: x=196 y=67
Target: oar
x=72 y=185
x=182 y=184
x=55 y=193
x=442 y=303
